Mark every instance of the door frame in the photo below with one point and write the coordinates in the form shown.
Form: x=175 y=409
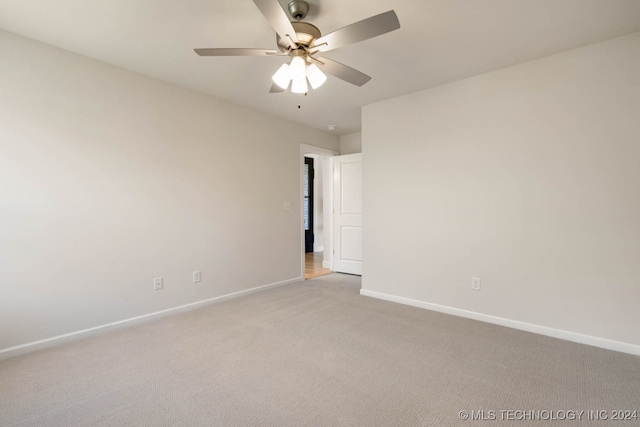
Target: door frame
x=327 y=199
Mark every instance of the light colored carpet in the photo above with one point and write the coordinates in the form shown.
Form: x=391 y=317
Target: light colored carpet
x=312 y=354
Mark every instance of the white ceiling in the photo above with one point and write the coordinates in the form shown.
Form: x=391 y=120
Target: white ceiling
x=440 y=41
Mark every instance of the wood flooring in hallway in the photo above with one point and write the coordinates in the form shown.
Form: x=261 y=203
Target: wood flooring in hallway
x=313 y=265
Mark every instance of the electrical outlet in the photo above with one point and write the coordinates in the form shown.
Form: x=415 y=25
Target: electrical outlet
x=475 y=283
x=196 y=276
x=157 y=283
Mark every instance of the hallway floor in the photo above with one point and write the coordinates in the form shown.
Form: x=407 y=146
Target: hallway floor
x=313 y=265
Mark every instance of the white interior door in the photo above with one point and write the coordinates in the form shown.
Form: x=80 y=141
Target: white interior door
x=347 y=217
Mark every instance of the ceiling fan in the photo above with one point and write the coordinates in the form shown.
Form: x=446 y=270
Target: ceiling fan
x=303 y=42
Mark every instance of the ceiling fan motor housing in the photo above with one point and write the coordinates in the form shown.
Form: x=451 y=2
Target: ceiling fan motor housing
x=306 y=33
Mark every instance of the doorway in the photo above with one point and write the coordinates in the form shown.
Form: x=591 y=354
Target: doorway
x=312 y=208
x=315 y=214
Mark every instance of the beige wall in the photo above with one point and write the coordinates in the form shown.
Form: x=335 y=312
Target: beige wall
x=351 y=143
x=528 y=178
x=109 y=179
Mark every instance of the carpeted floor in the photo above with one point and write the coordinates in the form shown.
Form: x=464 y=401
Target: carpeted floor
x=316 y=354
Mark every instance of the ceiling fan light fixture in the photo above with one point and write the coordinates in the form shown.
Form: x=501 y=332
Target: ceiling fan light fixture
x=315 y=76
x=299 y=86
x=297 y=68
x=281 y=77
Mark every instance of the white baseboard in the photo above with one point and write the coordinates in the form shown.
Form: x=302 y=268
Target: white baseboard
x=75 y=336
x=515 y=324
x=326 y=264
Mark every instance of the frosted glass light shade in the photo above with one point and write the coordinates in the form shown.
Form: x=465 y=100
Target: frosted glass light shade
x=281 y=77
x=299 y=86
x=315 y=76
x=297 y=68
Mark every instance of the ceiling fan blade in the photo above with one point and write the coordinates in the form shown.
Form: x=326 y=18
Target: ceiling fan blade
x=362 y=30
x=278 y=19
x=276 y=89
x=236 y=52
x=343 y=72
